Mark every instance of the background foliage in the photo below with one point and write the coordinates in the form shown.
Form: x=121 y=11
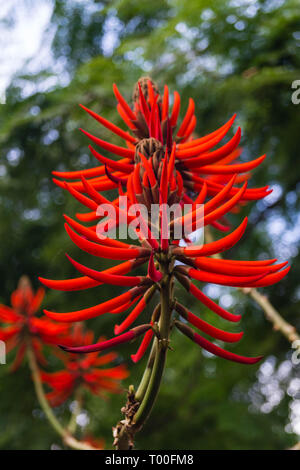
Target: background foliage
x=230 y=56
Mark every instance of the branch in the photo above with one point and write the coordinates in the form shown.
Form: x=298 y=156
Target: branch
x=271 y=314
x=279 y=324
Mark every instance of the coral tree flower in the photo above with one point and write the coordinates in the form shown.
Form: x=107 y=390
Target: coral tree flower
x=21 y=327
x=90 y=372
x=163 y=164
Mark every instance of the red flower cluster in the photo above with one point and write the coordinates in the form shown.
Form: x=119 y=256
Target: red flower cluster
x=22 y=326
x=155 y=131
x=23 y=329
x=84 y=372
x=163 y=165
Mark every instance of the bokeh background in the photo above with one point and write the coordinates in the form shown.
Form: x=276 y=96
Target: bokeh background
x=230 y=56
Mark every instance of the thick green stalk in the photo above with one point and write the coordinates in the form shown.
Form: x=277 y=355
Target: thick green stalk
x=140 y=393
x=148 y=389
x=160 y=354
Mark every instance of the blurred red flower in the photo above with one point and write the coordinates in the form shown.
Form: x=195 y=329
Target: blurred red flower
x=84 y=371
x=21 y=327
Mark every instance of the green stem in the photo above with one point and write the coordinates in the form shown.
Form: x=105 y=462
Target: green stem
x=140 y=393
x=160 y=351
x=148 y=389
x=152 y=389
x=61 y=431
